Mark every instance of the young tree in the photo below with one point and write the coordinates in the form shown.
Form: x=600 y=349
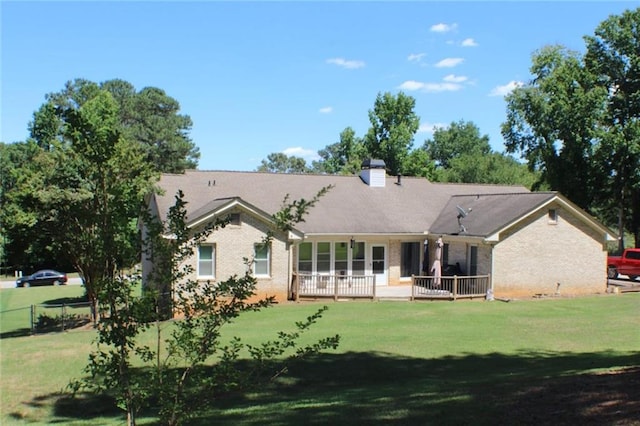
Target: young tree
x=393 y=127
x=193 y=366
x=84 y=194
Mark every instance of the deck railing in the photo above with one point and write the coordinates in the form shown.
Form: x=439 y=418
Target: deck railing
x=335 y=286
x=450 y=287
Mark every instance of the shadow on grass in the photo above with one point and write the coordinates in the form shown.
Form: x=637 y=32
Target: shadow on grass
x=377 y=388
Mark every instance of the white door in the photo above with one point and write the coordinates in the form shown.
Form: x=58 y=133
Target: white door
x=379 y=263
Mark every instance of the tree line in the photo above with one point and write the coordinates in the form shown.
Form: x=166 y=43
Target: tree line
x=573 y=128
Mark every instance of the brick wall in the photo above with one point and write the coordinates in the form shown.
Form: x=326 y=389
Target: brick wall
x=236 y=242
x=536 y=257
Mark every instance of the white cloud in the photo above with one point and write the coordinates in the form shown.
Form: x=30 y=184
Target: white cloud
x=298 y=151
x=344 y=63
x=326 y=110
x=452 y=78
x=413 y=85
x=506 y=89
x=430 y=127
x=416 y=57
x=443 y=28
x=449 y=62
x=469 y=42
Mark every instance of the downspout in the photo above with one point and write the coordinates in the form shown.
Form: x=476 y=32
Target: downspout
x=491 y=274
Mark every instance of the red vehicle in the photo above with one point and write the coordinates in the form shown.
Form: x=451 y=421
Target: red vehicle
x=627 y=264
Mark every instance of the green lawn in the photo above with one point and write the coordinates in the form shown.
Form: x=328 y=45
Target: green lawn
x=468 y=362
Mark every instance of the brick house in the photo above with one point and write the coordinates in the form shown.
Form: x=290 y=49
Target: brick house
x=386 y=227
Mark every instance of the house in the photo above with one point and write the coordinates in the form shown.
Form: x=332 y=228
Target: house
x=383 y=227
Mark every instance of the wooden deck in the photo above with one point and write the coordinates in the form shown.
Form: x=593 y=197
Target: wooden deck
x=450 y=287
x=313 y=286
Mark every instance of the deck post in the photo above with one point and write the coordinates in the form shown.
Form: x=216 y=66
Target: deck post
x=374 y=287
x=335 y=288
x=413 y=286
x=455 y=287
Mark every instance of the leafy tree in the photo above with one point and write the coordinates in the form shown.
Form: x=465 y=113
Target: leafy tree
x=278 y=162
x=149 y=117
x=343 y=157
x=613 y=57
x=393 y=127
x=492 y=168
x=197 y=366
x=462 y=137
x=82 y=196
x=554 y=123
x=15 y=222
x=419 y=163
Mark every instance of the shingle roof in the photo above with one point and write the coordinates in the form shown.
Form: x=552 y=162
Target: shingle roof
x=487 y=213
x=351 y=207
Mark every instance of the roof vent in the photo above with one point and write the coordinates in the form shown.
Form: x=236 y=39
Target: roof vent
x=373 y=173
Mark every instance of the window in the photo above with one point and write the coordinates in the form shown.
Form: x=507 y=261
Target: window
x=409 y=259
x=206 y=261
x=324 y=258
x=341 y=263
x=261 y=260
x=305 y=258
x=234 y=219
x=473 y=260
x=553 y=216
x=445 y=254
x=357 y=256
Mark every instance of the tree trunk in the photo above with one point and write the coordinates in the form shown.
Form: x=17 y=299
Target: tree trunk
x=635 y=217
x=621 y=222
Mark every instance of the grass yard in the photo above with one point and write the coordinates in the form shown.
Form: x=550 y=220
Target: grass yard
x=552 y=361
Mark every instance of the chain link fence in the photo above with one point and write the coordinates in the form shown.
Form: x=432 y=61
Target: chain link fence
x=44 y=318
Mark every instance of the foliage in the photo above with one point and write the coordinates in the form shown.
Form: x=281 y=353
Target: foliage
x=458 y=139
x=140 y=132
x=553 y=122
x=148 y=117
x=278 y=162
x=178 y=384
x=81 y=195
x=461 y=154
x=493 y=168
x=613 y=58
x=393 y=127
x=343 y=157
x=578 y=122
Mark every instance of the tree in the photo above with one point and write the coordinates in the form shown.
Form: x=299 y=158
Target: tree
x=83 y=195
x=613 y=57
x=16 y=223
x=492 y=168
x=554 y=123
x=462 y=137
x=197 y=366
x=393 y=127
x=343 y=157
x=149 y=117
x=278 y=162
x=419 y=163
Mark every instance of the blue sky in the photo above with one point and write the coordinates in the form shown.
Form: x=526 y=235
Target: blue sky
x=264 y=77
